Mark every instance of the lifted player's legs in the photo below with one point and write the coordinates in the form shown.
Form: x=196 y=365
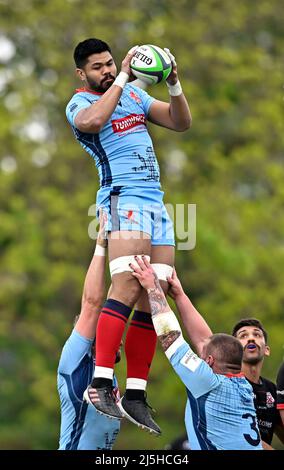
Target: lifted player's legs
x=140 y=346
x=123 y=294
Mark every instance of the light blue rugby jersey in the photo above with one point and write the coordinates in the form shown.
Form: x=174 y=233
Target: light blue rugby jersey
x=123 y=150
x=220 y=413
x=82 y=428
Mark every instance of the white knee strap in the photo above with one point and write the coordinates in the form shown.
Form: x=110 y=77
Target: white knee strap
x=121 y=264
x=162 y=270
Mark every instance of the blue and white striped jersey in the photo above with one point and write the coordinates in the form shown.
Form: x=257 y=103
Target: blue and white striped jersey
x=220 y=413
x=82 y=428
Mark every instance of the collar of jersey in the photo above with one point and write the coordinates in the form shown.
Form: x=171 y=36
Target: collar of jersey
x=84 y=90
x=240 y=374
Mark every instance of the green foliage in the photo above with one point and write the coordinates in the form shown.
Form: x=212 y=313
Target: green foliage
x=230 y=57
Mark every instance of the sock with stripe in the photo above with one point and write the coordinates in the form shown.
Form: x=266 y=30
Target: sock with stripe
x=139 y=348
x=110 y=328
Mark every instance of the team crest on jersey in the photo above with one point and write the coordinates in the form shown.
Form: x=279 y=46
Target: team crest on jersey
x=73 y=107
x=135 y=97
x=130 y=217
x=269 y=400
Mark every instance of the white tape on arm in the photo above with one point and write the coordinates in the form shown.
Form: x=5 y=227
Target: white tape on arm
x=121 y=79
x=165 y=322
x=100 y=250
x=175 y=90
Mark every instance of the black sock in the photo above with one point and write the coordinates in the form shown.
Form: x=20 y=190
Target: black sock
x=100 y=382
x=133 y=394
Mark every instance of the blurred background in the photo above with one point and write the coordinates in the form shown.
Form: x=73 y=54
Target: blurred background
x=230 y=59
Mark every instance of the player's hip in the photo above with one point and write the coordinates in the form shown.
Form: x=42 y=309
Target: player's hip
x=137 y=208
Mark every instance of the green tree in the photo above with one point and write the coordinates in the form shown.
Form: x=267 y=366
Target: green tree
x=230 y=164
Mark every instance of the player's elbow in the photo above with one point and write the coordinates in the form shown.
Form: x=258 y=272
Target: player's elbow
x=185 y=125
x=93 y=303
x=90 y=125
x=189 y=123
x=96 y=125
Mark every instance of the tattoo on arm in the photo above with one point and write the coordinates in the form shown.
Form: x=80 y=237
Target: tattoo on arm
x=159 y=305
x=168 y=339
x=157 y=299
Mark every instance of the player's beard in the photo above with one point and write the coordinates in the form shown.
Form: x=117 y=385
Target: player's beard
x=103 y=86
x=253 y=360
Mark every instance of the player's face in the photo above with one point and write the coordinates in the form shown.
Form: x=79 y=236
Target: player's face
x=253 y=342
x=99 y=72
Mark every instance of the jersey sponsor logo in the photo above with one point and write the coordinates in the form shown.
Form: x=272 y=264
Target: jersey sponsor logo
x=265 y=424
x=191 y=361
x=280 y=392
x=128 y=122
x=269 y=400
x=135 y=97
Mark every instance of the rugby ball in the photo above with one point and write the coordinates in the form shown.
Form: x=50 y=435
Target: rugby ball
x=151 y=64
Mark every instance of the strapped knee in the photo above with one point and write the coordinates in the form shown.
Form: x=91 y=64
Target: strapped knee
x=162 y=270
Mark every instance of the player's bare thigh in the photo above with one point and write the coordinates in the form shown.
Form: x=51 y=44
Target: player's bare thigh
x=125 y=288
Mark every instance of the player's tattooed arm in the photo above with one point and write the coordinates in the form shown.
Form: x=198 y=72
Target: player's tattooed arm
x=164 y=320
x=159 y=306
x=168 y=339
x=157 y=299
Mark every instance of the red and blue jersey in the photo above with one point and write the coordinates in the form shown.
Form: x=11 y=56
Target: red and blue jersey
x=280 y=388
x=123 y=149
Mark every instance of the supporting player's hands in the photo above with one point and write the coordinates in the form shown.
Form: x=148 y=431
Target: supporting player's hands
x=144 y=272
x=102 y=235
x=175 y=289
x=173 y=77
x=125 y=64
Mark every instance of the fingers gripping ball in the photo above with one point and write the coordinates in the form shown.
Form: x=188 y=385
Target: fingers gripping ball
x=151 y=64
x=171 y=56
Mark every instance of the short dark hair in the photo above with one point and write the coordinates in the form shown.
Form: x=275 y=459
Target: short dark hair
x=226 y=349
x=88 y=47
x=249 y=322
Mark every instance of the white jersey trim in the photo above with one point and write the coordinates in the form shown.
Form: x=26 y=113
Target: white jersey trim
x=174 y=347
